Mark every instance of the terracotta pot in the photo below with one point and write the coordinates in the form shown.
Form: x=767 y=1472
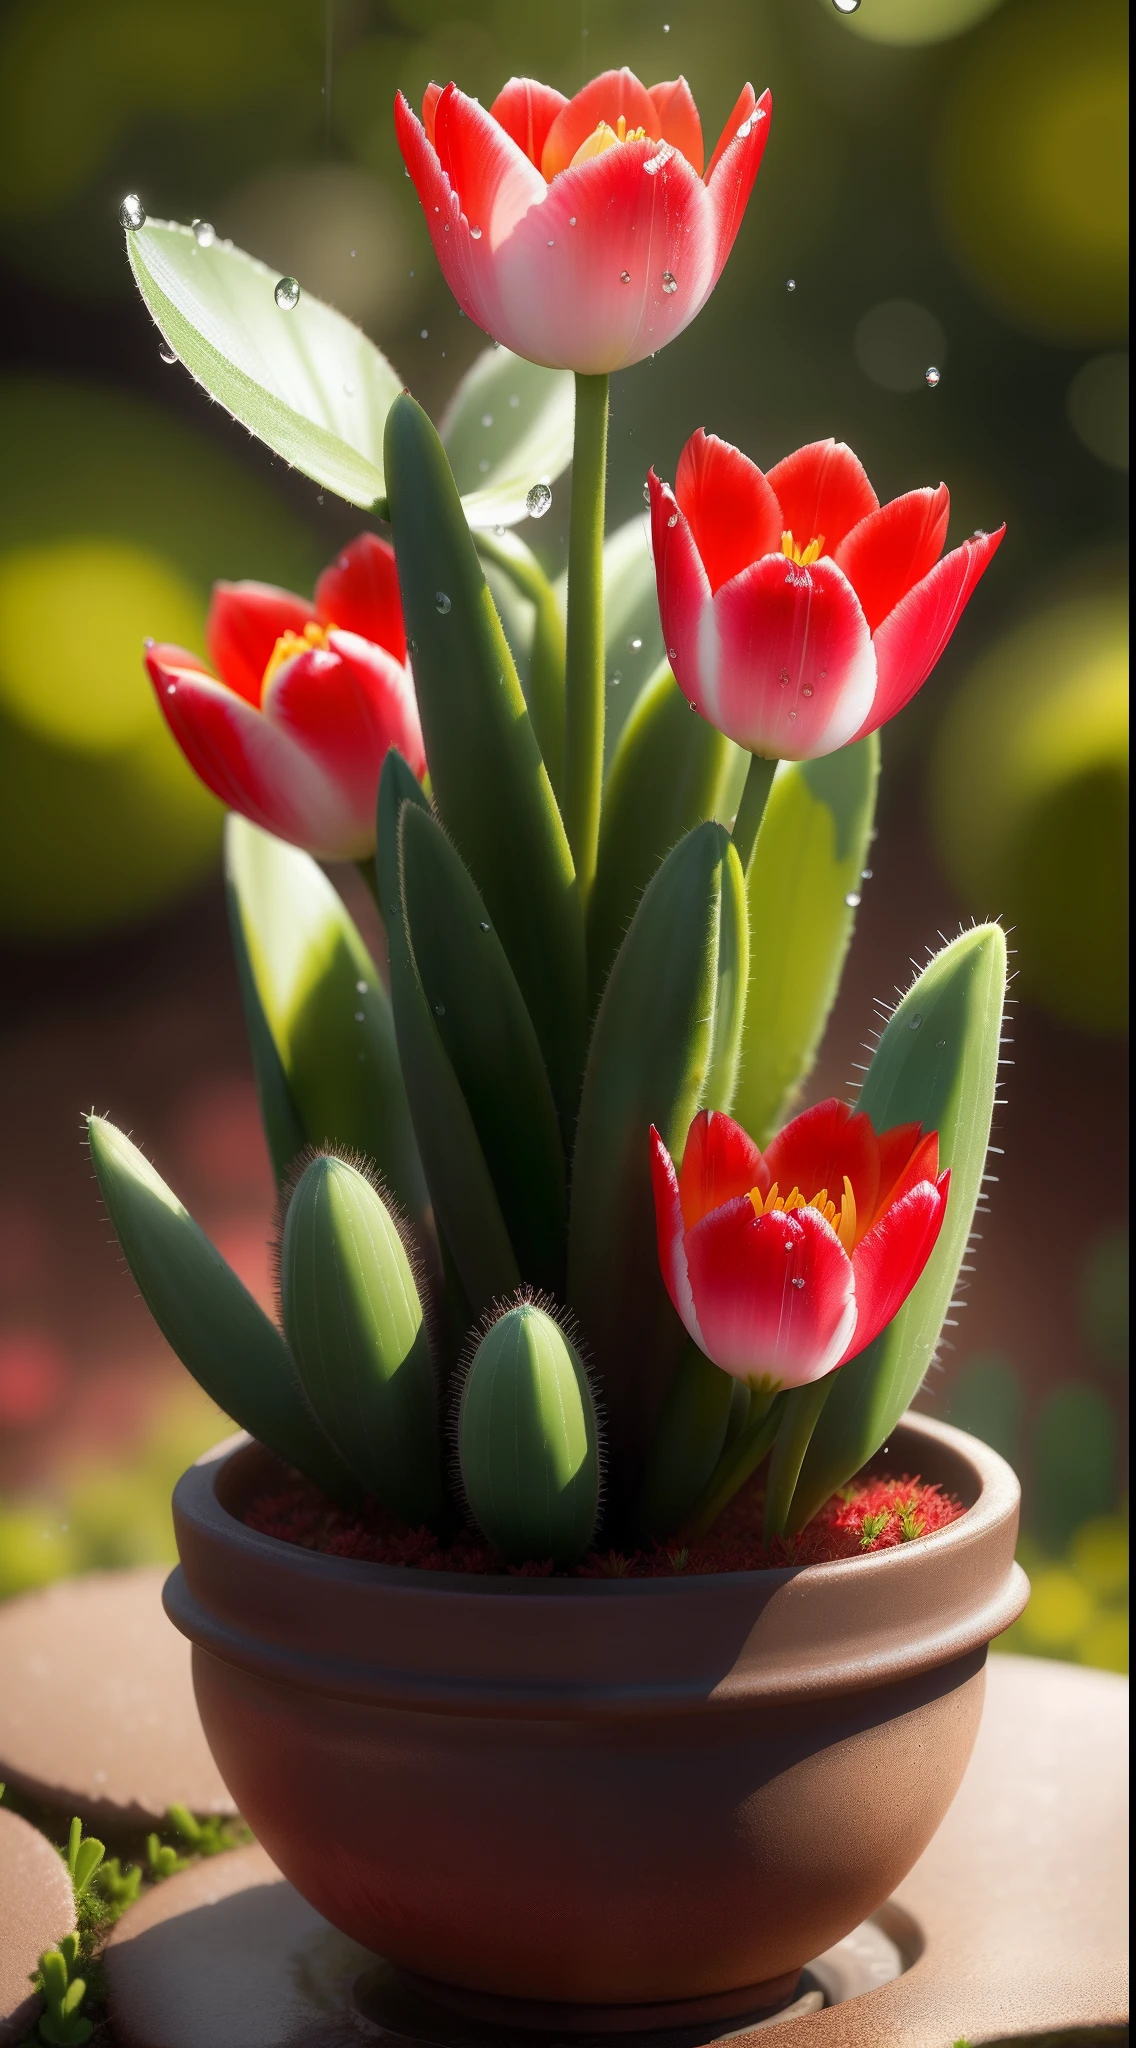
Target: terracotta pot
x=623 y=1803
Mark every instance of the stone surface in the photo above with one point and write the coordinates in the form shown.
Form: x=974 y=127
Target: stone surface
x=36 y=1908
x=97 y=1714
x=1013 y=1921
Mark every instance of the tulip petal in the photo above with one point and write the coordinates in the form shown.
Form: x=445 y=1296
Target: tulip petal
x=739 y=114
x=922 y=1163
x=897 y=1149
x=732 y=510
x=491 y=179
x=670 y=1235
x=720 y=1162
x=245 y=622
x=913 y=636
x=888 y=1261
x=466 y=259
x=347 y=706
x=893 y=549
x=683 y=589
x=677 y=120
x=430 y=98
x=817 y=1149
x=526 y=110
x=785 y=661
x=773 y=1295
x=736 y=163
x=603 y=99
x=250 y=764
x=359 y=593
x=822 y=490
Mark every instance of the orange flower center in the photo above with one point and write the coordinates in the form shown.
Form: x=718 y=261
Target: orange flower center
x=605 y=137
x=844 y=1224
x=289 y=644
x=805 y=556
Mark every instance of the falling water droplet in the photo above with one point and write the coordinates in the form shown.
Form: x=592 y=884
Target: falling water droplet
x=475 y=234
x=852 y=900
x=487 y=419
x=865 y=874
x=846 y=6
x=287 y=294
x=932 y=376
x=672 y=519
x=635 y=644
x=790 y=284
x=441 y=602
x=132 y=213
x=916 y=1021
x=670 y=282
x=168 y=354
x=204 y=233
x=538 y=501
x=625 y=277
x=425 y=334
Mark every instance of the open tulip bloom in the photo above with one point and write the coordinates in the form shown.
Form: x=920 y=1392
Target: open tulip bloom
x=310 y=698
x=592 y=967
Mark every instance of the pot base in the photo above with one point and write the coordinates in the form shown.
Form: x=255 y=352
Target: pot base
x=751 y=2002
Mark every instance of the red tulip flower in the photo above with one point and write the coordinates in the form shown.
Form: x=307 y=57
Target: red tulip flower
x=785 y=1264
x=311 y=698
x=799 y=613
x=581 y=233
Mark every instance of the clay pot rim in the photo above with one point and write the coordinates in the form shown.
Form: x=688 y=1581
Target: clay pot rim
x=997 y=1494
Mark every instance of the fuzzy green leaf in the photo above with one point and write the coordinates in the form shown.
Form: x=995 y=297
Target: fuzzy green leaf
x=206 y=1314
x=507 y=427
x=665 y=1044
x=528 y=1444
x=307 y=382
x=488 y=778
x=936 y=1064
x=319 y=1019
x=808 y=860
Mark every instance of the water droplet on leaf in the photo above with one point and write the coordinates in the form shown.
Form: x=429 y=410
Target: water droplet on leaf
x=441 y=602
x=865 y=874
x=852 y=900
x=846 y=6
x=361 y=987
x=635 y=645
x=287 y=294
x=485 y=924
x=916 y=1021
x=538 y=501
x=487 y=419
x=132 y=213
x=204 y=234
x=168 y=354
x=475 y=234
x=514 y=401
x=439 y=1009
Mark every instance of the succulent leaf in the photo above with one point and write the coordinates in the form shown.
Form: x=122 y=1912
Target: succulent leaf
x=490 y=784
x=936 y=1063
x=207 y=1315
x=355 y=1326
x=688 y=1442
x=533 y=626
x=528 y=1441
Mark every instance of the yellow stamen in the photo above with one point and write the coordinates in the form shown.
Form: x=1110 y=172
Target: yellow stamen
x=846 y=1228
x=805 y=557
x=290 y=644
x=604 y=137
x=844 y=1225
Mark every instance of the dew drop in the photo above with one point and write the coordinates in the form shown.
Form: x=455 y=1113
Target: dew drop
x=361 y=988
x=571 y=220
x=617 y=677
x=485 y=924
x=932 y=376
x=852 y=900
x=792 y=714
x=635 y=644
x=807 y=691
x=487 y=419
x=412 y=643
x=514 y=401
x=132 y=213
x=646 y=494
x=475 y=234
x=287 y=294
x=500 y=532
x=940 y=1045
x=439 y=1009
x=790 y=284
x=672 y=519
x=865 y=874
x=170 y=689
x=551 y=243
x=783 y=678
x=538 y=501
x=670 y=282
x=425 y=334
x=692 y=703
x=204 y=233
x=168 y=354
x=798 y=1283
x=625 y=277
x=916 y=1021
x=846 y=6
x=358 y=1016
x=672 y=654
x=441 y=602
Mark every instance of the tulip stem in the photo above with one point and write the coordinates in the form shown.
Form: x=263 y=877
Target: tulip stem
x=794 y=1435
x=584 y=727
x=737 y=1464
x=751 y=810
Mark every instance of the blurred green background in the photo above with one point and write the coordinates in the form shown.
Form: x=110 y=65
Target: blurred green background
x=945 y=188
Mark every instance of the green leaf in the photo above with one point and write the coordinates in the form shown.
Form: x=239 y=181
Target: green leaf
x=808 y=860
x=488 y=778
x=665 y=1044
x=527 y=1440
x=669 y=772
x=86 y=1861
x=488 y=1038
x=307 y=382
x=633 y=637
x=507 y=427
x=318 y=1016
x=206 y=1314
x=470 y=1225
x=936 y=1064
x=533 y=626
x=688 y=1442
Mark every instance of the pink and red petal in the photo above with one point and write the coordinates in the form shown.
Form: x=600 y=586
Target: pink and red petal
x=677 y=122
x=888 y=1261
x=720 y=1161
x=897 y=1148
x=893 y=549
x=818 y=1148
x=789 y=670
x=823 y=492
x=922 y=1164
x=683 y=588
x=359 y=592
x=245 y=622
x=526 y=110
x=774 y=1295
x=491 y=178
x=913 y=636
x=430 y=98
x=347 y=706
x=732 y=510
x=735 y=165
x=670 y=1235
x=603 y=99
x=739 y=114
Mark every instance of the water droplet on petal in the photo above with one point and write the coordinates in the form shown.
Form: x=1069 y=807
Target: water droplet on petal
x=571 y=220
x=916 y=1021
x=783 y=678
x=168 y=354
x=798 y=1283
x=672 y=519
x=792 y=714
x=441 y=602
x=807 y=691
x=932 y=376
x=170 y=689
x=551 y=243
x=670 y=282
x=662 y=156
x=475 y=234
x=852 y=900
x=204 y=233
x=287 y=294
x=646 y=494
x=538 y=501
x=672 y=653
x=625 y=277
x=132 y=213
x=790 y=284
x=635 y=645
